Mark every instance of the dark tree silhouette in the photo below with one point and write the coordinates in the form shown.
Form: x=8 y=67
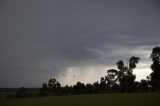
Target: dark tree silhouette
x=89 y=88
x=155 y=75
x=54 y=86
x=125 y=74
x=111 y=77
x=79 y=88
x=53 y=83
x=44 y=87
x=96 y=87
x=112 y=80
x=144 y=85
x=67 y=90
x=44 y=90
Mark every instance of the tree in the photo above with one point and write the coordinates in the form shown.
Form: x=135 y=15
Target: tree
x=96 y=87
x=67 y=90
x=79 y=88
x=89 y=88
x=112 y=80
x=54 y=86
x=44 y=90
x=125 y=73
x=155 y=75
x=144 y=85
x=102 y=85
x=53 y=83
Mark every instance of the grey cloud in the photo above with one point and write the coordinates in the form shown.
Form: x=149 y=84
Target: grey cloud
x=48 y=36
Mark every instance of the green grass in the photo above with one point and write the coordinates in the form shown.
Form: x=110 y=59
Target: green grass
x=148 y=99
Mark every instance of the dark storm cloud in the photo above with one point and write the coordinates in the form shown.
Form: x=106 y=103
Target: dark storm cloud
x=39 y=39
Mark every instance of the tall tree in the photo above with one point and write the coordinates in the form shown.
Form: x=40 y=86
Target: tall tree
x=112 y=80
x=44 y=90
x=155 y=75
x=79 y=88
x=111 y=77
x=102 y=84
x=54 y=86
x=125 y=73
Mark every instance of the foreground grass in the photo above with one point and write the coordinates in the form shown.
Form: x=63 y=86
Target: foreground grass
x=148 y=99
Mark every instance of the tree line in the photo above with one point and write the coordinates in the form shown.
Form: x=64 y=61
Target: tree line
x=118 y=80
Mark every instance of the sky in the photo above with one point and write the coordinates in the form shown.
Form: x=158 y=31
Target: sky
x=74 y=40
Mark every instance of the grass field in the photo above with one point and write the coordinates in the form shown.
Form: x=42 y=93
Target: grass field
x=149 y=99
